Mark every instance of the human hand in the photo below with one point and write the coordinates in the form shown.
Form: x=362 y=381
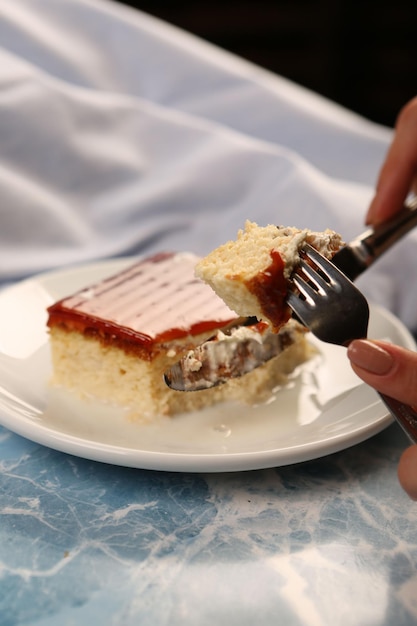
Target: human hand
x=393 y=371
x=386 y=367
x=398 y=175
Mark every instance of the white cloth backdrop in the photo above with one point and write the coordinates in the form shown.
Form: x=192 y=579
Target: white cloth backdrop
x=122 y=135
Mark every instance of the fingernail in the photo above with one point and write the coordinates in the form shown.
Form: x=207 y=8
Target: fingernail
x=370 y=215
x=371 y=357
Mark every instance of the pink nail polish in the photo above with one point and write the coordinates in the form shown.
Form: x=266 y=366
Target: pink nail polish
x=371 y=357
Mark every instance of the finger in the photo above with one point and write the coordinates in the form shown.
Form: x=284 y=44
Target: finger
x=398 y=174
x=386 y=367
x=407 y=471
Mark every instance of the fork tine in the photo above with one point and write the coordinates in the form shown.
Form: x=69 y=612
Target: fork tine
x=317 y=258
x=313 y=276
x=305 y=288
x=294 y=302
x=326 y=301
x=334 y=275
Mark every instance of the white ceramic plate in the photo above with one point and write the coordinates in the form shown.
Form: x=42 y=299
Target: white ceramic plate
x=324 y=409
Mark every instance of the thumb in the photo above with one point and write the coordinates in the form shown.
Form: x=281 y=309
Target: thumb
x=398 y=173
x=407 y=471
x=386 y=367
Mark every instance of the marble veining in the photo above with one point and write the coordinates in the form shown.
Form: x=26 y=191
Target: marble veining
x=333 y=541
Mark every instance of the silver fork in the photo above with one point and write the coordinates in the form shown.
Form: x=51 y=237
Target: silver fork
x=335 y=311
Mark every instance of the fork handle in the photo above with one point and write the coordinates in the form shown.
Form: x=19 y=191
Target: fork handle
x=405 y=415
x=375 y=241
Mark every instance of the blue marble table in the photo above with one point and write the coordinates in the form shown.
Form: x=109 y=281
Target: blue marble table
x=326 y=542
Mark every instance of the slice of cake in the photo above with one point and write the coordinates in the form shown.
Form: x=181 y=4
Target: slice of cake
x=251 y=274
x=115 y=339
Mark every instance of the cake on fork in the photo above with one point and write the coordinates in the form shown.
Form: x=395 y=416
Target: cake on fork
x=252 y=273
